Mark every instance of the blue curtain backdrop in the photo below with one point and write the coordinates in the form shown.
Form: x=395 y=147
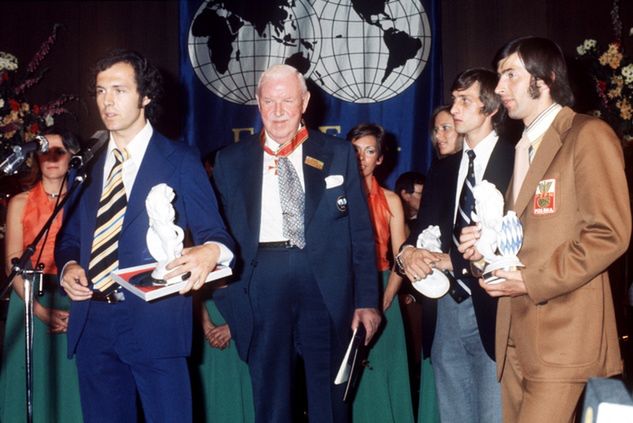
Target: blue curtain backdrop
x=365 y=62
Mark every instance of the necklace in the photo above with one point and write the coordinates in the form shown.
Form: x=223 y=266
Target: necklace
x=52 y=195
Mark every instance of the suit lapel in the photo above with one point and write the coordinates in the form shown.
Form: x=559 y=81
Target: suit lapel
x=251 y=171
x=154 y=169
x=92 y=194
x=314 y=178
x=551 y=143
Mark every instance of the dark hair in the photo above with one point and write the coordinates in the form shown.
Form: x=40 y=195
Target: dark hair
x=365 y=129
x=487 y=84
x=69 y=139
x=149 y=81
x=407 y=182
x=544 y=60
x=70 y=142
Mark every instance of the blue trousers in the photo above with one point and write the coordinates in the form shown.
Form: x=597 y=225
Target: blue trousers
x=112 y=369
x=291 y=321
x=465 y=376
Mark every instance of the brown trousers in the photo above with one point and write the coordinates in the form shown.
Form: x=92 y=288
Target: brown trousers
x=526 y=401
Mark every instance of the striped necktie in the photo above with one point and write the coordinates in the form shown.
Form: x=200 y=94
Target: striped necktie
x=462 y=219
x=104 y=256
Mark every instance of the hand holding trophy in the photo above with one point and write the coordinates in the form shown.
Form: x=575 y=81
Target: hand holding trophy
x=435 y=284
x=164 y=238
x=503 y=234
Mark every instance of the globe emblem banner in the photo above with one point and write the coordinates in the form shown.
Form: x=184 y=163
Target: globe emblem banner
x=364 y=62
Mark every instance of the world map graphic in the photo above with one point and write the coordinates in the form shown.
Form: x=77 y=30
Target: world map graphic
x=360 y=51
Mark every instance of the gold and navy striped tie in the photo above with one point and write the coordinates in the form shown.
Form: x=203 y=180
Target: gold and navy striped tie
x=104 y=256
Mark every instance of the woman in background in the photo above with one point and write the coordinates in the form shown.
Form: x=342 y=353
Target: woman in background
x=384 y=393
x=55 y=386
x=446 y=140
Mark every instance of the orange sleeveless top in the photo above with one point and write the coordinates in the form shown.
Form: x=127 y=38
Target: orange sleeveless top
x=380 y=215
x=37 y=211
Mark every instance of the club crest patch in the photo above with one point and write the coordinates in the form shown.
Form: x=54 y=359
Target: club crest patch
x=341 y=203
x=545 y=197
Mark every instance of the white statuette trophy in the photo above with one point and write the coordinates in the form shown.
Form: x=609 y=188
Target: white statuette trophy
x=164 y=238
x=498 y=233
x=436 y=284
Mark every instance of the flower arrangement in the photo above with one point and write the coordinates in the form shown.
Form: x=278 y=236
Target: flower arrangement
x=612 y=71
x=20 y=120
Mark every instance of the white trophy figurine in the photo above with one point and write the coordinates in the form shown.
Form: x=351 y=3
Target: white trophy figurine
x=164 y=238
x=435 y=284
x=498 y=232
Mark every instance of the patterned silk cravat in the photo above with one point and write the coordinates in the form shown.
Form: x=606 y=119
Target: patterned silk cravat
x=292 y=202
x=104 y=256
x=462 y=219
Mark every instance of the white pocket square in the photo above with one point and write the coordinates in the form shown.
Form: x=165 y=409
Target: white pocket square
x=333 y=181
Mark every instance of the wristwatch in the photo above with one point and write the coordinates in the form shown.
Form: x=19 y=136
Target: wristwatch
x=398 y=260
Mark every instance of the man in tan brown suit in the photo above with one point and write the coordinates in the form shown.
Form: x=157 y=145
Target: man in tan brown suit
x=555 y=322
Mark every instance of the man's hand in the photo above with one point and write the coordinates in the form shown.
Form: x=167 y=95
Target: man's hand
x=370 y=319
x=417 y=263
x=467 y=239
x=75 y=282
x=513 y=285
x=194 y=265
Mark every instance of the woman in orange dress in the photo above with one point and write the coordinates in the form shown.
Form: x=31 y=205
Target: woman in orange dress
x=384 y=392
x=55 y=387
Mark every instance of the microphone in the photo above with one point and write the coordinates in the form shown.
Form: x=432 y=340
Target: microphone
x=19 y=153
x=94 y=144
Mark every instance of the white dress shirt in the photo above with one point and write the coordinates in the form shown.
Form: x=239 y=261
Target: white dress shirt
x=271 y=223
x=136 y=151
x=483 y=150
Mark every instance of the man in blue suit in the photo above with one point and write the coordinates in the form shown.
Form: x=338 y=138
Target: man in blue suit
x=122 y=344
x=306 y=272
x=458 y=330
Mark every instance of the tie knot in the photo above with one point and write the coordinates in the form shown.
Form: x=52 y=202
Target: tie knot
x=471 y=155
x=120 y=155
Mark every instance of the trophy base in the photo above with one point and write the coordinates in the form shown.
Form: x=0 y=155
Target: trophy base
x=435 y=285
x=158 y=277
x=503 y=263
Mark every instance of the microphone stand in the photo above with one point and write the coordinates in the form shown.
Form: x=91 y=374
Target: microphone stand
x=22 y=266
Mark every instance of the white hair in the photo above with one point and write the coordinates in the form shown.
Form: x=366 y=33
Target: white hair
x=281 y=71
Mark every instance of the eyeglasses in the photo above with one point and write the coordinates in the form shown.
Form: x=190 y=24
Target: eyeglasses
x=54 y=153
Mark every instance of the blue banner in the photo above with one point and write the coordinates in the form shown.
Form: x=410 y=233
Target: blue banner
x=364 y=61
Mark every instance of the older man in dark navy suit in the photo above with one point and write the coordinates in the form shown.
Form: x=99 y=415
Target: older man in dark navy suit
x=294 y=203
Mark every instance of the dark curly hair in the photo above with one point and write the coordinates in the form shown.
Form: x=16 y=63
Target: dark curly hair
x=149 y=81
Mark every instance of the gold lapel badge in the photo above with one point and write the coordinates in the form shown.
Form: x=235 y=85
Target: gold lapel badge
x=311 y=161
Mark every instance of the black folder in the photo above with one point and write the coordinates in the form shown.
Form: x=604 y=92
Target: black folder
x=353 y=363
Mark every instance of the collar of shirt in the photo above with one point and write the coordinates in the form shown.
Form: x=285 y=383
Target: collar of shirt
x=483 y=151
x=136 y=151
x=271 y=220
x=295 y=158
x=543 y=121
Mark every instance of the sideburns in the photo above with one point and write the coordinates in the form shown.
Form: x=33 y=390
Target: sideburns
x=533 y=89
